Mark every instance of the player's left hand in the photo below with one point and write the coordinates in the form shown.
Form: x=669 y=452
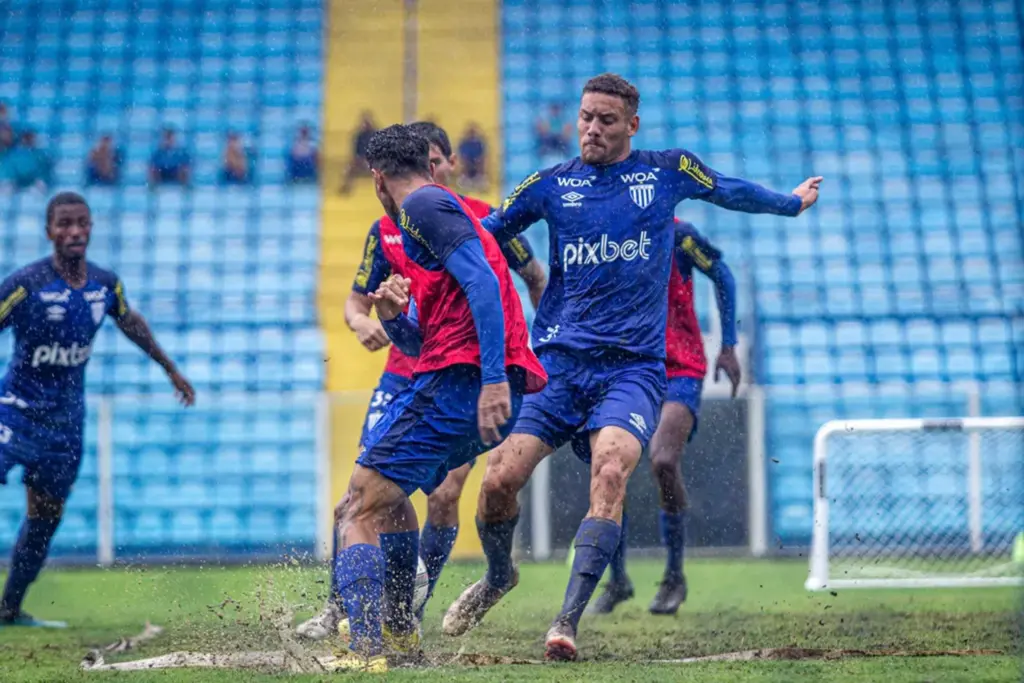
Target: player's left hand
x=493 y=410
x=730 y=364
x=807 y=191
x=182 y=389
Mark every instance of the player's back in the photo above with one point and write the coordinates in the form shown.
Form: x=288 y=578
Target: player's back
x=53 y=326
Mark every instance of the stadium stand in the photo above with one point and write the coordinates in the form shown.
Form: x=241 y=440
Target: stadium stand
x=226 y=276
x=903 y=294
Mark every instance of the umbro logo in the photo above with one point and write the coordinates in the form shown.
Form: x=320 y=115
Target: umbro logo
x=573 y=199
x=639 y=422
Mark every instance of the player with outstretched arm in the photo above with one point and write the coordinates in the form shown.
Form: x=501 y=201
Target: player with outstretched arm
x=473 y=367
x=609 y=213
x=55 y=307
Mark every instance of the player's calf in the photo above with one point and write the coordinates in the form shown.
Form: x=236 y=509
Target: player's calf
x=43 y=516
x=441 y=528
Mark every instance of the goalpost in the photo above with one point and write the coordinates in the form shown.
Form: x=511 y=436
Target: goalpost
x=910 y=503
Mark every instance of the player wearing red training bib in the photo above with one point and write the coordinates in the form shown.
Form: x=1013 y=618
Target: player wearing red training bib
x=466 y=328
x=383 y=254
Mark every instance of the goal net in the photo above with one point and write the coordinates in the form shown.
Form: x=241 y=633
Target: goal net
x=917 y=503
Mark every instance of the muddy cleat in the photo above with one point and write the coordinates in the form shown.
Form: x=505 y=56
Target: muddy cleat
x=403 y=643
x=613 y=594
x=470 y=607
x=347 y=660
x=671 y=594
x=560 y=644
x=322 y=625
x=19 y=618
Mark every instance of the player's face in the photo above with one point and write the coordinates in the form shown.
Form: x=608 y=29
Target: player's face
x=386 y=200
x=69 y=230
x=605 y=128
x=442 y=168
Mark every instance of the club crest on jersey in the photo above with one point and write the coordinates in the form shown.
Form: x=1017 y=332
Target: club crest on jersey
x=573 y=199
x=642 y=195
x=98 y=309
x=55 y=297
x=55 y=314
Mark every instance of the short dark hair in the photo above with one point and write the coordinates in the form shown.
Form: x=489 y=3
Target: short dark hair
x=63 y=199
x=398 y=151
x=616 y=85
x=435 y=135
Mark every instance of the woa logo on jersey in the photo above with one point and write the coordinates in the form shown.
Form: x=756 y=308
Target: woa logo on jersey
x=606 y=251
x=61 y=356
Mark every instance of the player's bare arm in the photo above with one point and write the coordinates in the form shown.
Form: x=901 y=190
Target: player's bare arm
x=729 y=363
x=135 y=327
x=536 y=280
x=369 y=331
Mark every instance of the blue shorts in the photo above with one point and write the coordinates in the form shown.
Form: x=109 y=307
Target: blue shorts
x=390 y=385
x=50 y=463
x=431 y=428
x=683 y=390
x=588 y=392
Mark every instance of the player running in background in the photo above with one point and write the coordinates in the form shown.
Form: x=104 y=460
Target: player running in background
x=685 y=366
x=380 y=259
x=609 y=213
x=473 y=367
x=55 y=307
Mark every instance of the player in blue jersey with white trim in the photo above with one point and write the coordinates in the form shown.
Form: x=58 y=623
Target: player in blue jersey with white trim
x=55 y=307
x=610 y=217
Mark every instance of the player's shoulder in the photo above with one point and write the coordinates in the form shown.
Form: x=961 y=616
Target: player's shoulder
x=32 y=276
x=682 y=162
x=102 y=276
x=479 y=207
x=570 y=168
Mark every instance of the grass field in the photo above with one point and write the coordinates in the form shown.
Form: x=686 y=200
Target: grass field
x=734 y=605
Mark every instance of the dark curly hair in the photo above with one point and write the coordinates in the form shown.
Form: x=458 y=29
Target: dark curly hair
x=399 y=151
x=616 y=85
x=435 y=135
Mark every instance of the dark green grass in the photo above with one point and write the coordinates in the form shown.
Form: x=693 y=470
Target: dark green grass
x=734 y=605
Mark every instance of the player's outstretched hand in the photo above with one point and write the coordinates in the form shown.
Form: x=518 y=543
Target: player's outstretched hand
x=493 y=410
x=807 y=191
x=182 y=388
x=370 y=333
x=728 y=362
x=392 y=297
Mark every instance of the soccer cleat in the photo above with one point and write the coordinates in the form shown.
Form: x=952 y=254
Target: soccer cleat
x=671 y=594
x=347 y=660
x=322 y=625
x=403 y=643
x=470 y=607
x=19 y=618
x=560 y=644
x=613 y=594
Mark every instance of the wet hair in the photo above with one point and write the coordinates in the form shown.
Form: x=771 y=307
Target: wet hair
x=435 y=135
x=617 y=86
x=63 y=199
x=399 y=151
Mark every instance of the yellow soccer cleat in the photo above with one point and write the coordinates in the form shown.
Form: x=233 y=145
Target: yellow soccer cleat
x=344 y=633
x=403 y=643
x=346 y=660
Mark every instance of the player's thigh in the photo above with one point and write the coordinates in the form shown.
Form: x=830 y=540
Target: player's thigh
x=50 y=465
x=555 y=413
x=630 y=399
x=450 y=489
x=389 y=386
x=675 y=428
x=510 y=465
x=616 y=452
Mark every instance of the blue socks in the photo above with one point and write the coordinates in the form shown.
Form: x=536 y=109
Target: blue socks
x=335 y=594
x=401 y=559
x=27 y=560
x=596 y=541
x=673 y=536
x=359 y=576
x=435 y=546
x=617 y=567
x=496 y=540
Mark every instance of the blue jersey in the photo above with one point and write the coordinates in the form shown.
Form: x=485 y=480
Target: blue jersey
x=612 y=238
x=53 y=326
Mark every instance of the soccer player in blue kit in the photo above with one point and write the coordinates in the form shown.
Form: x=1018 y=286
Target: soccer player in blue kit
x=55 y=307
x=610 y=217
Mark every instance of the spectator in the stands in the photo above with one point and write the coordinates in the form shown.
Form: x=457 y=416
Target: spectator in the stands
x=303 y=157
x=473 y=159
x=25 y=165
x=6 y=129
x=103 y=167
x=236 y=162
x=170 y=164
x=553 y=136
x=357 y=164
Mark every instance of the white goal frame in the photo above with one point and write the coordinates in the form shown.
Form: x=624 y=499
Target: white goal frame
x=818 y=577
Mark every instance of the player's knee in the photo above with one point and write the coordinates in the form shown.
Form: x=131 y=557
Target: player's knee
x=608 y=482
x=443 y=506
x=664 y=465
x=496 y=500
x=339 y=509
